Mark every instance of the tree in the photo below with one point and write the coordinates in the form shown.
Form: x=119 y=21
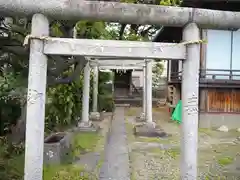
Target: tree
x=64 y=73
x=14 y=62
x=146 y=32
x=61 y=70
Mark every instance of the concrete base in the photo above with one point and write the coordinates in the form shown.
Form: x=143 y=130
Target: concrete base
x=141 y=118
x=149 y=130
x=94 y=116
x=87 y=127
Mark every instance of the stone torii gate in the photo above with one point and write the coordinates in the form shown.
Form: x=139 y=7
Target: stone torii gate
x=41 y=45
x=122 y=64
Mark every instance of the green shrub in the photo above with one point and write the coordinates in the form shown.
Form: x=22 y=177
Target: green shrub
x=106 y=103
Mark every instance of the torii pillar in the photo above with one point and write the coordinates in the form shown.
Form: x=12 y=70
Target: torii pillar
x=85 y=123
x=190 y=91
x=95 y=115
x=142 y=117
x=148 y=127
x=144 y=92
x=148 y=92
x=146 y=114
x=36 y=100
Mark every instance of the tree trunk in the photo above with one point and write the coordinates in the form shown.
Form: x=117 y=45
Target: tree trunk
x=18 y=131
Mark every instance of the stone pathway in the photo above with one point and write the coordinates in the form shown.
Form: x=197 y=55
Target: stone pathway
x=116 y=160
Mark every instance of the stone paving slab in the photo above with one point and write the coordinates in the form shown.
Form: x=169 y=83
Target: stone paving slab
x=116 y=160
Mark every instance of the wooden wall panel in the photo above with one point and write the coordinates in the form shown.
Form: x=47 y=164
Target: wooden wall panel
x=202 y=100
x=223 y=101
x=235 y=105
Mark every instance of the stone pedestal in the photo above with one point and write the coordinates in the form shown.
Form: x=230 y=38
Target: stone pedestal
x=94 y=116
x=56 y=148
x=149 y=130
x=87 y=127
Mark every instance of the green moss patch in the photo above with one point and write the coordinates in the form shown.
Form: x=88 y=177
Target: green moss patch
x=84 y=142
x=67 y=172
x=224 y=161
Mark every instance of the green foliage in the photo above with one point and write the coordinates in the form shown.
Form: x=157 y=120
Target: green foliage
x=170 y=2
x=133 y=37
x=106 y=103
x=12 y=169
x=91 y=30
x=157 y=74
x=11 y=160
x=64 y=101
x=63 y=104
x=11 y=97
x=105 y=96
x=55 y=30
x=7 y=148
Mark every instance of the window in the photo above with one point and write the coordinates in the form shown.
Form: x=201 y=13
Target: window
x=236 y=54
x=223 y=53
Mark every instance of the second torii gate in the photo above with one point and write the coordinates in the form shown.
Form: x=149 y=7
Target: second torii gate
x=122 y=64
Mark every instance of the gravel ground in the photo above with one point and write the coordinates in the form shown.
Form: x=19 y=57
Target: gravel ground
x=155 y=158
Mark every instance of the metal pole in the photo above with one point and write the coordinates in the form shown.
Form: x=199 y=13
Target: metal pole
x=190 y=82
x=95 y=89
x=85 y=98
x=149 y=91
x=34 y=143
